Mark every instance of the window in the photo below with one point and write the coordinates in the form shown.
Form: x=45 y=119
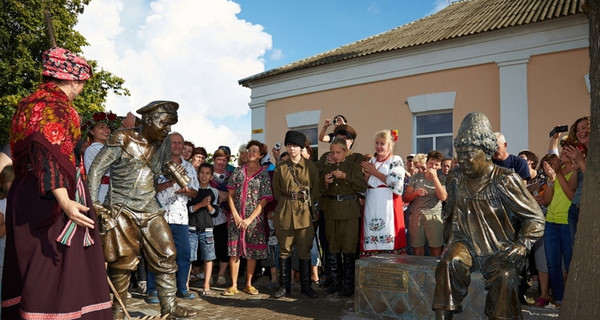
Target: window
x=434 y=132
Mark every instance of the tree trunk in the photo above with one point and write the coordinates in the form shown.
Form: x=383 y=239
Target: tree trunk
x=582 y=295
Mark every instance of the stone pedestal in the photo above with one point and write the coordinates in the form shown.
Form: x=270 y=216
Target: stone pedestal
x=402 y=286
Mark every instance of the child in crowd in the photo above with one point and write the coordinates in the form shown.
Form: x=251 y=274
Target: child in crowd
x=201 y=210
x=341 y=182
x=419 y=161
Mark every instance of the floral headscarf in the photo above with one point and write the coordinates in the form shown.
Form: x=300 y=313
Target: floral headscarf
x=62 y=64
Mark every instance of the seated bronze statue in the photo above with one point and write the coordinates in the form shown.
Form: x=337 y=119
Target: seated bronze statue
x=491 y=223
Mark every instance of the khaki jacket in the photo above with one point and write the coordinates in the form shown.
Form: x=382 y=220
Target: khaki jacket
x=294 y=214
x=354 y=183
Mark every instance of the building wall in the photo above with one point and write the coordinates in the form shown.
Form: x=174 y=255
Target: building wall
x=383 y=105
x=558 y=93
x=521 y=78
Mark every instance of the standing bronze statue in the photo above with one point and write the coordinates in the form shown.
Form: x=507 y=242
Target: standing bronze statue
x=491 y=223
x=130 y=217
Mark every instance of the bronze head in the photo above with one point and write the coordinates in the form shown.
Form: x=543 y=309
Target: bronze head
x=157 y=119
x=475 y=144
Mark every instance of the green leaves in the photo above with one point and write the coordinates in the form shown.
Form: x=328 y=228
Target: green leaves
x=23 y=38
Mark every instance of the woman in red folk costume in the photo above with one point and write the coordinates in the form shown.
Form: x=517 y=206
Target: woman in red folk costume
x=54 y=265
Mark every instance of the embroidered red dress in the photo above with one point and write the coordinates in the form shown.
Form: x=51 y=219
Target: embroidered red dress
x=53 y=269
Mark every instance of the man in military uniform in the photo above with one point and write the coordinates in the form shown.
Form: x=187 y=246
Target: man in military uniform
x=491 y=223
x=130 y=217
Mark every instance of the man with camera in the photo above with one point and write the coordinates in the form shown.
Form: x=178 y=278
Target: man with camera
x=337 y=120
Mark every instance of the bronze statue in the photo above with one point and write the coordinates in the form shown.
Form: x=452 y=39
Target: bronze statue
x=130 y=218
x=491 y=223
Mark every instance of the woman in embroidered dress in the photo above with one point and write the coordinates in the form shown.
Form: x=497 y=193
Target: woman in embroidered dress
x=249 y=191
x=98 y=128
x=54 y=266
x=383 y=219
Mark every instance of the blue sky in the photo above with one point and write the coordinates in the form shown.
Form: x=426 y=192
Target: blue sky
x=301 y=29
x=195 y=51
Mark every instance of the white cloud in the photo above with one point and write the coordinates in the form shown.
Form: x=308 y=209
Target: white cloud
x=373 y=8
x=276 y=54
x=189 y=51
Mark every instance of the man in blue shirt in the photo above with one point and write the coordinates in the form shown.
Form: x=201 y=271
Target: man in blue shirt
x=504 y=159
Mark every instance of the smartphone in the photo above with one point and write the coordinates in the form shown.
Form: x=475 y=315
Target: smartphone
x=559 y=129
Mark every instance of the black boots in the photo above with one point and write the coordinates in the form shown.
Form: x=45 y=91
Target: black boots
x=342 y=274
x=348 y=282
x=305 y=281
x=335 y=272
x=285 y=279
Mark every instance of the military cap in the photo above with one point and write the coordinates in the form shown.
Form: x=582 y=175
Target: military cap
x=168 y=106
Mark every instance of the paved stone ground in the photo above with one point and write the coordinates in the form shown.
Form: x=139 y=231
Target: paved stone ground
x=296 y=307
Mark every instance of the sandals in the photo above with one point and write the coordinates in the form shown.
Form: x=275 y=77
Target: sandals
x=207 y=292
x=251 y=290
x=230 y=291
x=541 y=302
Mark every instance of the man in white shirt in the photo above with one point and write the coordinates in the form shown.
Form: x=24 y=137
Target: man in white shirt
x=173 y=199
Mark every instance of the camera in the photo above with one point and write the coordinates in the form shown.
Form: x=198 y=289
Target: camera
x=334 y=121
x=558 y=129
x=278 y=146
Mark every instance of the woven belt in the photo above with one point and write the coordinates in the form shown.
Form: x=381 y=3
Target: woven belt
x=379 y=186
x=293 y=196
x=343 y=197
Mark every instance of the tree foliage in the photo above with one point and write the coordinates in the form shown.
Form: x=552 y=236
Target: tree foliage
x=23 y=39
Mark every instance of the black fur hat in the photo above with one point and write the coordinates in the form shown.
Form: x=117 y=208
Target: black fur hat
x=295 y=137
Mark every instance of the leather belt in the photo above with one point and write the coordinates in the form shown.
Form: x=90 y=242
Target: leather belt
x=379 y=186
x=293 y=196
x=343 y=197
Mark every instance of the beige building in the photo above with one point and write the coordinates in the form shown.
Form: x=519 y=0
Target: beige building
x=524 y=63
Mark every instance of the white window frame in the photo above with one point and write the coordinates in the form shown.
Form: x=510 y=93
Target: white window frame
x=435 y=136
x=426 y=104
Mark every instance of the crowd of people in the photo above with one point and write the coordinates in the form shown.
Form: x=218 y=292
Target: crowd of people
x=282 y=213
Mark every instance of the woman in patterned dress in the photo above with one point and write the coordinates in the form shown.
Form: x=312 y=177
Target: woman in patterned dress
x=54 y=265
x=249 y=192
x=383 y=219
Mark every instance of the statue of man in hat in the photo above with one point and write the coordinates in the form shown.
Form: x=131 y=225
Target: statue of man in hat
x=491 y=223
x=130 y=217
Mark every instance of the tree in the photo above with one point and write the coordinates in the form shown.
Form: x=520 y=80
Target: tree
x=23 y=38
x=583 y=290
